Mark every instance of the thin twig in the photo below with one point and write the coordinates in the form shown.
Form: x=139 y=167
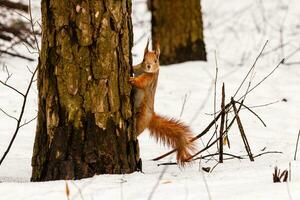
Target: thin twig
x=267 y=152
x=32 y=52
x=29 y=69
x=15 y=55
x=226 y=154
x=275 y=49
x=295 y=155
x=12 y=88
x=25 y=17
x=267 y=76
x=250 y=70
x=215 y=94
x=291 y=54
x=8 y=114
x=209 y=142
x=210 y=139
x=183 y=105
x=249 y=84
x=254 y=106
x=28 y=122
x=232 y=156
x=8 y=74
x=292 y=63
x=248 y=108
x=212 y=169
x=263 y=105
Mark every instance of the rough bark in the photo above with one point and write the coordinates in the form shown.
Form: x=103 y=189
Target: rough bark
x=177 y=27
x=85 y=124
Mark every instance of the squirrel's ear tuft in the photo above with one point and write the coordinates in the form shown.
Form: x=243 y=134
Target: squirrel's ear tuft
x=146 y=48
x=157 y=49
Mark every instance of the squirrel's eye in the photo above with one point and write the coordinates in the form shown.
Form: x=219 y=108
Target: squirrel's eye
x=155 y=61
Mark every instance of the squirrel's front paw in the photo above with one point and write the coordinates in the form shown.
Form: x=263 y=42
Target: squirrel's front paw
x=131 y=80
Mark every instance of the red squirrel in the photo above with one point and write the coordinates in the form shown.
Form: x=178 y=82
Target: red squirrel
x=167 y=130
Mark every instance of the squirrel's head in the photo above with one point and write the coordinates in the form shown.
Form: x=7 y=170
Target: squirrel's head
x=150 y=62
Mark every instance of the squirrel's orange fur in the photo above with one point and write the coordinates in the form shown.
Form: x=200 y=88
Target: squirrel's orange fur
x=169 y=131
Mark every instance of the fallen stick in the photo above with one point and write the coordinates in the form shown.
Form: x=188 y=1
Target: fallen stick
x=222 y=125
x=243 y=135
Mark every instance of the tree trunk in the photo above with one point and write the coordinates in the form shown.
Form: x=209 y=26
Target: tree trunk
x=85 y=125
x=177 y=27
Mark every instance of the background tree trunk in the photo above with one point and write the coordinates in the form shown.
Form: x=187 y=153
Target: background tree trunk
x=85 y=124
x=177 y=27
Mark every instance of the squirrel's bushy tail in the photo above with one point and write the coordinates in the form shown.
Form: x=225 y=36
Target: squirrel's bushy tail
x=173 y=133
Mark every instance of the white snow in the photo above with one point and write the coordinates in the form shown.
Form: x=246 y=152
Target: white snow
x=236 y=30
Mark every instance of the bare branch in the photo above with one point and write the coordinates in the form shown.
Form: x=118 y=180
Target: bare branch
x=11 y=87
x=8 y=114
x=292 y=63
x=25 y=95
x=215 y=93
x=15 y=55
x=275 y=49
x=32 y=52
x=252 y=112
x=183 y=105
x=251 y=69
x=291 y=54
x=263 y=105
x=28 y=122
x=267 y=152
x=29 y=69
x=8 y=74
x=231 y=156
x=281 y=62
x=25 y=17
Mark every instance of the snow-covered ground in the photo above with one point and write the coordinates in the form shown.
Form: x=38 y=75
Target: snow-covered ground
x=236 y=30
